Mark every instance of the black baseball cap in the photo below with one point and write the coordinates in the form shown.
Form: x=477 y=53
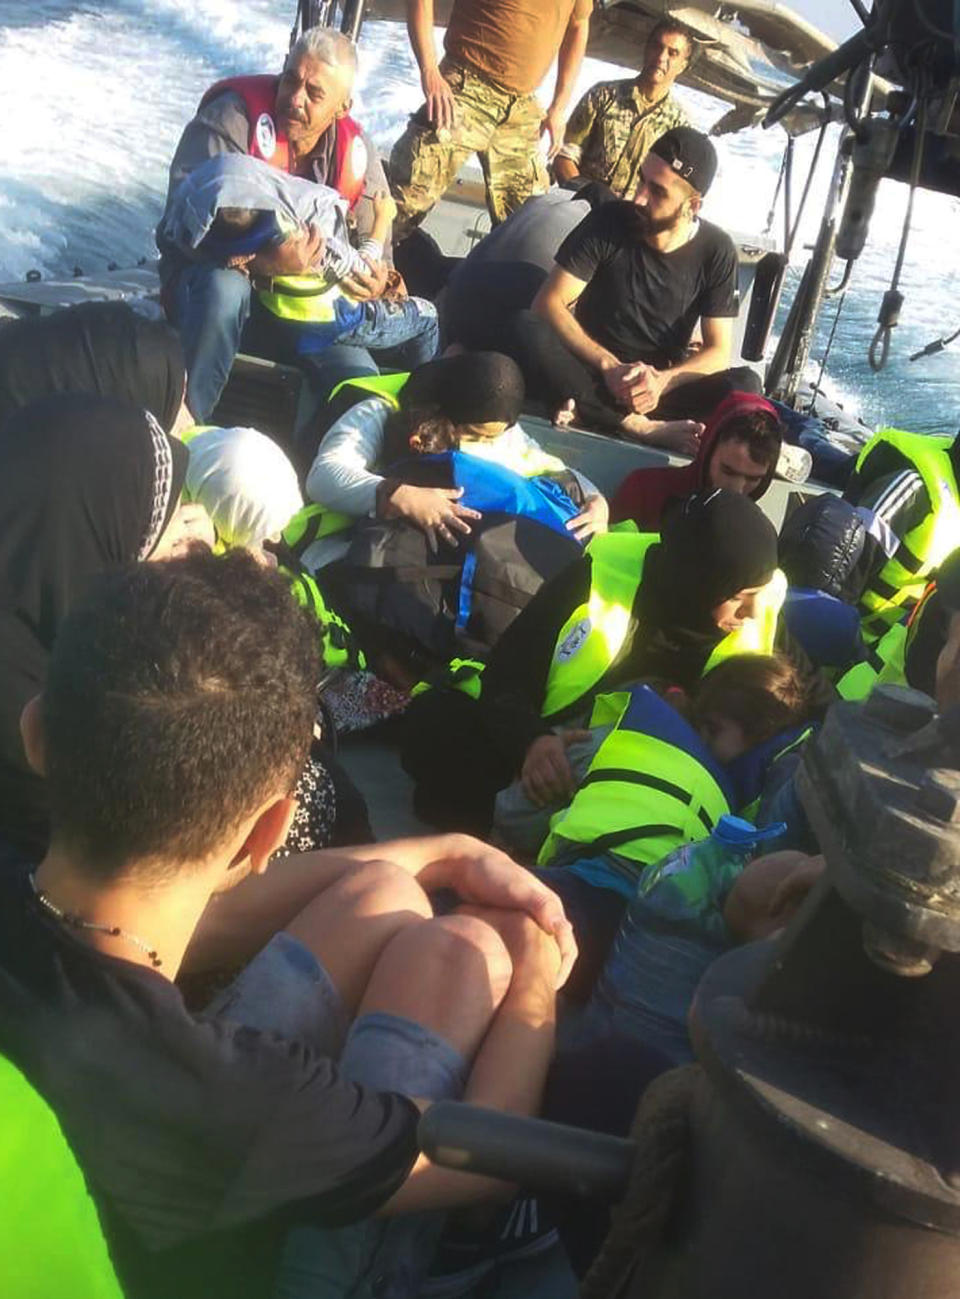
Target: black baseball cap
x=690 y=154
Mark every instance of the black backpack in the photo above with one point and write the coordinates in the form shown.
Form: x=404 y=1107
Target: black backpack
x=395 y=591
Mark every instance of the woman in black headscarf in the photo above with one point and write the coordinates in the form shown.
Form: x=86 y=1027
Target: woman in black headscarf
x=86 y=485
x=700 y=582
x=102 y=348
x=717 y=551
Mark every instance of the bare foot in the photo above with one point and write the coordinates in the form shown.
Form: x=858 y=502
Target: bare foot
x=681 y=435
x=565 y=416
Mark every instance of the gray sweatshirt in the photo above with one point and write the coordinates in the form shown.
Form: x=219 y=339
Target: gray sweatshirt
x=237 y=181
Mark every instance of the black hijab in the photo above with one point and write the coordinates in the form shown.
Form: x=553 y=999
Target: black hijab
x=472 y=388
x=86 y=485
x=712 y=545
x=104 y=348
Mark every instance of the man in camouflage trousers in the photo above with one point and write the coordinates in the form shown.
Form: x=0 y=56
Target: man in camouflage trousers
x=479 y=99
x=612 y=128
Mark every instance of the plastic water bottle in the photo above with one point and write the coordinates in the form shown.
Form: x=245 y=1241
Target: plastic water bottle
x=673 y=930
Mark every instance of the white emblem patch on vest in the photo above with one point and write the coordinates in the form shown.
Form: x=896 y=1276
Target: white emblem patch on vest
x=573 y=640
x=358 y=157
x=265 y=134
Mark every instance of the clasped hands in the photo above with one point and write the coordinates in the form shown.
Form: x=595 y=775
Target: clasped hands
x=635 y=385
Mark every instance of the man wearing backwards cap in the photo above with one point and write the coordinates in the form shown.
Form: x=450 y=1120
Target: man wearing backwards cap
x=608 y=335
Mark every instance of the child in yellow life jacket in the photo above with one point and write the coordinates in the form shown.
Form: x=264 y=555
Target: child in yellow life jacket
x=290 y=236
x=651 y=779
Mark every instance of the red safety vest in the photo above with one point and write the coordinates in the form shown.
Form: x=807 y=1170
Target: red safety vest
x=267 y=142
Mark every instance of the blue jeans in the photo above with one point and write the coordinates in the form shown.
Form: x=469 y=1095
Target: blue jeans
x=213 y=311
x=210 y=306
x=410 y=323
x=285 y=989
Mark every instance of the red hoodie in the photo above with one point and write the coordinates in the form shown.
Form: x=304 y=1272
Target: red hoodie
x=643 y=494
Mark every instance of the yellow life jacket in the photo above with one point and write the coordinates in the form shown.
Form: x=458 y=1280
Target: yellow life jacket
x=307 y=299
x=51 y=1241
x=651 y=787
x=899 y=584
x=387 y=387
x=465 y=675
x=315 y=521
x=310 y=524
x=883 y=665
x=338 y=645
x=756 y=635
x=594 y=635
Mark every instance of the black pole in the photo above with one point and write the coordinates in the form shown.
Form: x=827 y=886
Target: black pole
x=540 y=1156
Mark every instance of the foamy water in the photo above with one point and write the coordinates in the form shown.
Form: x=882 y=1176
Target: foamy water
x=94 y=96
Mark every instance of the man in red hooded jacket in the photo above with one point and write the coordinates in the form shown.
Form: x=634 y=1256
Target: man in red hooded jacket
x=738 y=451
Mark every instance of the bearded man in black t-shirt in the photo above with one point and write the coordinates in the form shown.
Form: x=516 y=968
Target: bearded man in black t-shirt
x=607 y=339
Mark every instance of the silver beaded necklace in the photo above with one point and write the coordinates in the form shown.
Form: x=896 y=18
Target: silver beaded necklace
x=77 y=922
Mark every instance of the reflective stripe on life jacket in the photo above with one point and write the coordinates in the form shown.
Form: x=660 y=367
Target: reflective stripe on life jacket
x=900 y=582
x=652 y=786
x=884 y=664
x=268 y=142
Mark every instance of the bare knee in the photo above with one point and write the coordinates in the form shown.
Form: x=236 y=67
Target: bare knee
x=380 y=887
x=463 y=952
x=532 y=950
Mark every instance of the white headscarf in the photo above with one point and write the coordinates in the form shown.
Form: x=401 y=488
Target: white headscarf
x=244 y=482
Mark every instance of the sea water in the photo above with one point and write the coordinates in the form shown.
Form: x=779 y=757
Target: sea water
x=94 y=95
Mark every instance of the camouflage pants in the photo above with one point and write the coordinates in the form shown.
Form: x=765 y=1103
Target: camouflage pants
x=503 y=130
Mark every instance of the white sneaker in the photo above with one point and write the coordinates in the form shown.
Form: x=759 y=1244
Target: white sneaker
x=795 y=463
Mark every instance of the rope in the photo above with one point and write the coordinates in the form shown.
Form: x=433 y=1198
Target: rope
x=776 y=193
x=661 y=1133
x=889 y=314
x=826 y=355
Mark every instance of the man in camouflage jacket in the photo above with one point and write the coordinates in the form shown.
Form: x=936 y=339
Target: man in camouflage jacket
x=612 y=128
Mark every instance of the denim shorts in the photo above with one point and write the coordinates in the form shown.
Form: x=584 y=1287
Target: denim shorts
x=286 y=990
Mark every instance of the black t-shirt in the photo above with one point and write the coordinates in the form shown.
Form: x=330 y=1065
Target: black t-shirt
x=642 y=304
x=201 y=1140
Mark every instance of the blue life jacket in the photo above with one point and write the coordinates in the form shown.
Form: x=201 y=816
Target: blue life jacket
x=748 y=773
x=827 y=628
x=492 y=488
